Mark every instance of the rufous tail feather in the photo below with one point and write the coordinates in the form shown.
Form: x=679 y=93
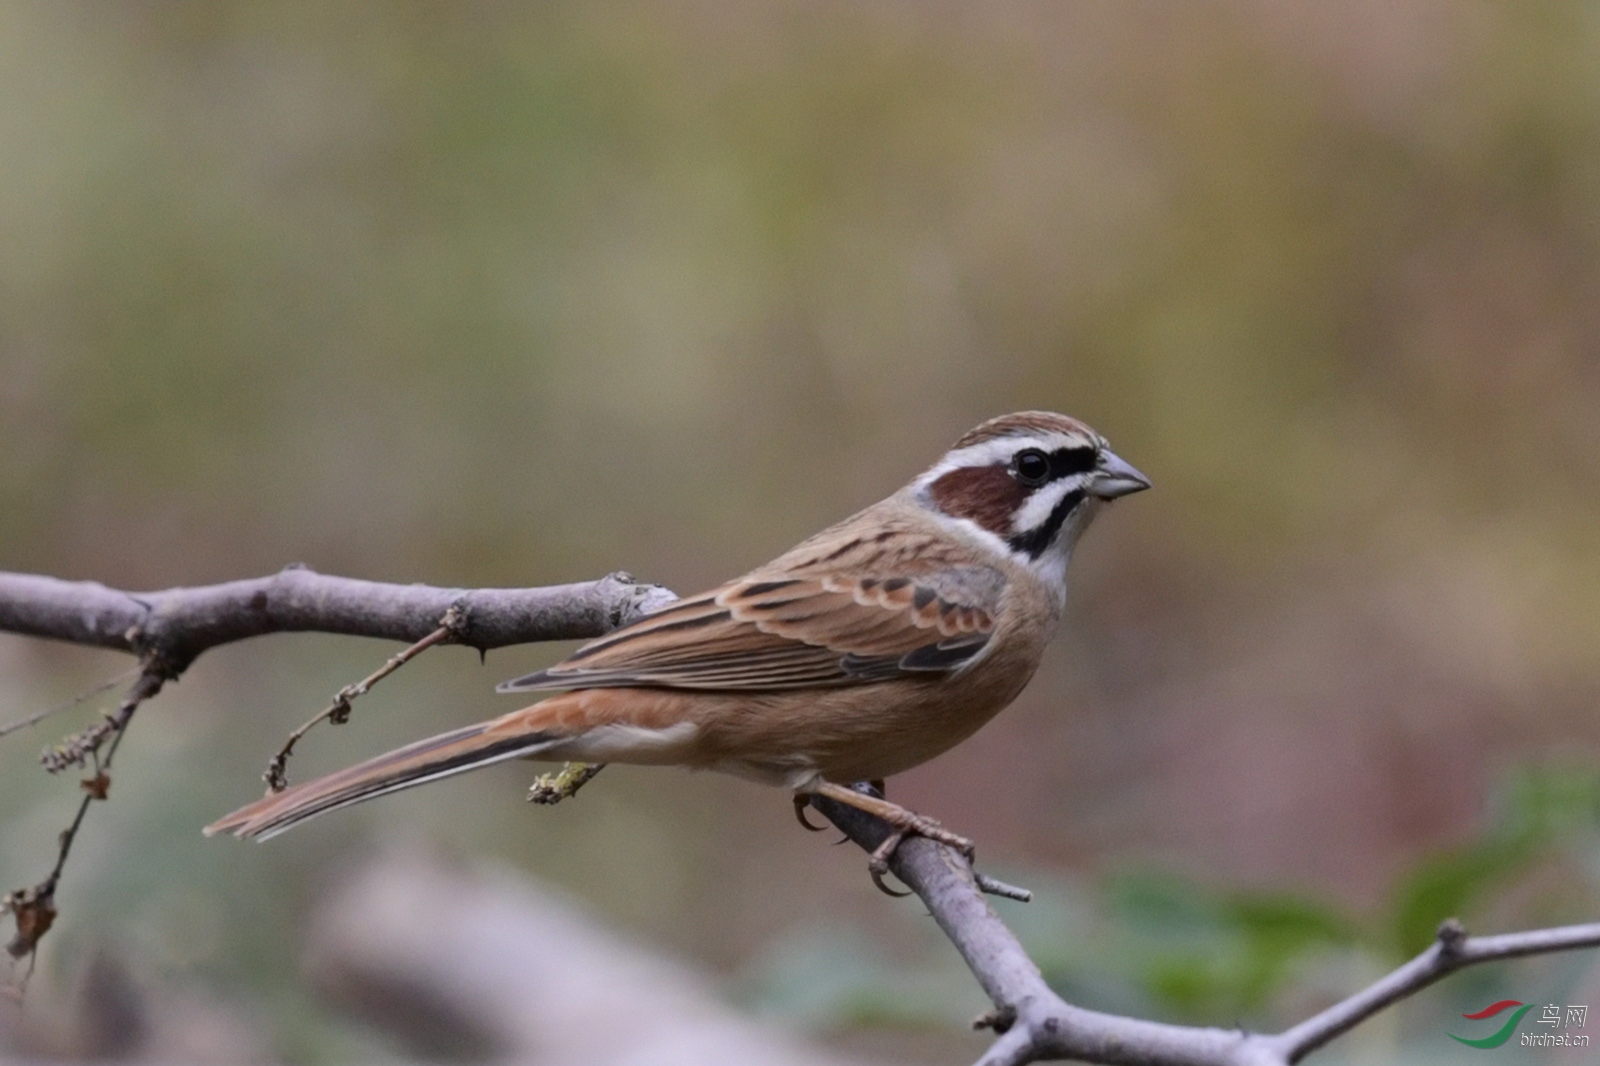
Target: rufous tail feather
x=426 y=760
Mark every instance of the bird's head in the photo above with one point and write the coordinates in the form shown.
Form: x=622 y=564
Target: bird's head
x=1027 y=484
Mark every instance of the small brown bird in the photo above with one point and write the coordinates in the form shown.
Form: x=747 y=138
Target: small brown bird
x=873 y=646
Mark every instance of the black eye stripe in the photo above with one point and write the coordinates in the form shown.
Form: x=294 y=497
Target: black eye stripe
x=1064 y=462
x=1075 y=460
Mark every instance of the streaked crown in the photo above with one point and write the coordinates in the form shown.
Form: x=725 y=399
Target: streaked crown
x=1032 y=480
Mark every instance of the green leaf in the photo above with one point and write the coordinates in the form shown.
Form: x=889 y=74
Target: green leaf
x=1446 y=885
x=1208 y=954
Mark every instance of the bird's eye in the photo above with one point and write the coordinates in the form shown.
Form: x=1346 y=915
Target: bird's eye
x=1031 y=467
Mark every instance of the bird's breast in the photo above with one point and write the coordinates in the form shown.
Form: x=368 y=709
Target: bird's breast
x=861 y=732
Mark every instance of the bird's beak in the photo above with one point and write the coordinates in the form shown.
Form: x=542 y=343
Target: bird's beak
x=1116 y=477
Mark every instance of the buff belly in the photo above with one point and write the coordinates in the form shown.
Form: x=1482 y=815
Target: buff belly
x=853 y=733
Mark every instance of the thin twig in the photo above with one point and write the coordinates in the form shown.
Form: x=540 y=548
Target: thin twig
x=338 y=712
x=67 y=705
x=148 y=684
x=1451 y=951
x=993 y=886
x=33 y=909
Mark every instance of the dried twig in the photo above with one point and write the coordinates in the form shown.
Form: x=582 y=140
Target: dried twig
x=338 y=712
x=33 y=909
x=67 y=705
x=991 y=886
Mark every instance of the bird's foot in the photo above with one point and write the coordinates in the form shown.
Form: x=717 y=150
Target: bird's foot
x=915 y=824
x=902 y=823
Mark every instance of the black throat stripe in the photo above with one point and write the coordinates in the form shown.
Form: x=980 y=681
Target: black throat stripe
x=1033 y=542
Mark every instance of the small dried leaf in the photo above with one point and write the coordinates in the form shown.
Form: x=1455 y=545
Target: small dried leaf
x=277 y=775
x=34 y=914
x=339 y=713
x=97 y=786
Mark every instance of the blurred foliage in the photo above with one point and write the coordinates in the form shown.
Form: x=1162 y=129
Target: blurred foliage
x=1217 y=957
x=1539 y=813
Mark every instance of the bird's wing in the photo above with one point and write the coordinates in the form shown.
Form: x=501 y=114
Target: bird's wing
x=771 y=631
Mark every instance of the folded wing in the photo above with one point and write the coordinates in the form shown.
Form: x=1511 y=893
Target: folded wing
x=785 y=632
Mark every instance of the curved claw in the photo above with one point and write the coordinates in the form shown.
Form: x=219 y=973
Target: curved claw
x=876 y=872
x=800 y=805
x=878 y=862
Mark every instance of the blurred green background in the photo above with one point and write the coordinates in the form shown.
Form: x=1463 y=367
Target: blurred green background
x=498 y=294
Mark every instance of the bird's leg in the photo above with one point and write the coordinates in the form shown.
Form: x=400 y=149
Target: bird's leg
x=878 y=861
x=904 y=822
x=802 y=800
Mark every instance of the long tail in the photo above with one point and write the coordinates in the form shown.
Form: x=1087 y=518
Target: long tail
x=415 y=764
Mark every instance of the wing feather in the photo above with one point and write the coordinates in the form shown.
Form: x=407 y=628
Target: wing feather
x=774 y=631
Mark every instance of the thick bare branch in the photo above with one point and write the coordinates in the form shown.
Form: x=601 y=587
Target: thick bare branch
x=1037 y=1025
x=174 y=626
x=1034 y=1022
